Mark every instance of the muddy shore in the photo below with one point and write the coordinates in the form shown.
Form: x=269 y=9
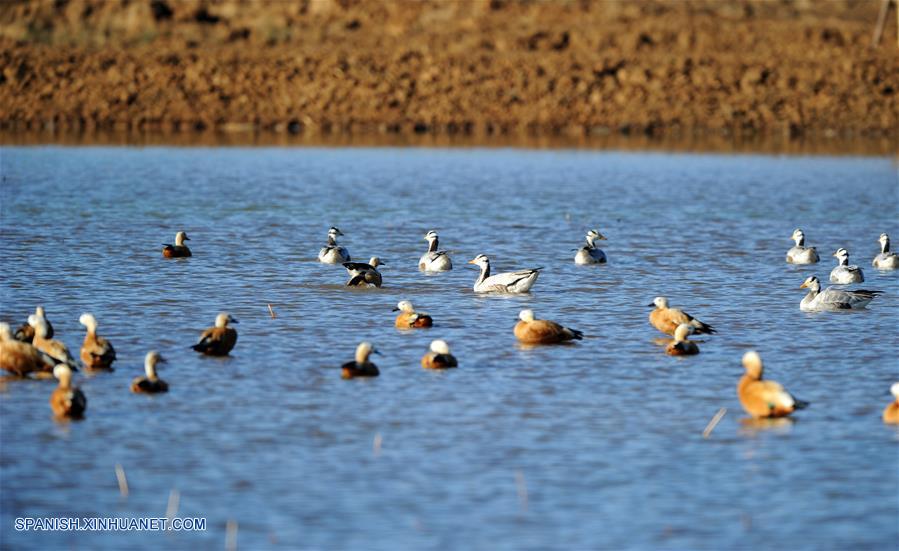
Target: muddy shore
x=480 y=68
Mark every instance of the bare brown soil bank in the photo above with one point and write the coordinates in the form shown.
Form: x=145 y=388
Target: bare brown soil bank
x=478 y=66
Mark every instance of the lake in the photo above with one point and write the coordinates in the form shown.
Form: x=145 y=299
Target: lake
x=597 y=444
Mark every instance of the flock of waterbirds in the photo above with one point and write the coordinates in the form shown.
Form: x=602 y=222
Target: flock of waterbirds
x=32 y=350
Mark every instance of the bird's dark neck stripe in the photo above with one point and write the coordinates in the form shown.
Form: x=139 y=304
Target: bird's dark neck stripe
x=485 y=271
x=432 y=247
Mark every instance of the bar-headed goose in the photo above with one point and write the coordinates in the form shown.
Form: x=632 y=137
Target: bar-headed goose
x=590 y=253
x=218 y=340
x=843 y=273
x=361 y=366
x=434 y=260
x=509 y=282
x=179 y=249
x=332 y=253
x=96 y=351
x=362 y=274
x=150 y=383
x=799 y=253
x=885 y=260
x=67 y=401
x=530 y=330
x=21 y=358
x=680 y=346
x=762 y=398
x=831 y=299
x=438 y=356
x=667 y=319
x=409 y=318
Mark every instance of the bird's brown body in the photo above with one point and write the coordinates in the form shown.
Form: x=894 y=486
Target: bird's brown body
x=97 y=352
x=544 y=332
x=351 y=370
x=21 y=358
x=68 y=401
x=666 y=320
x=891 y=413
x=433 y=360
x=217 y=341
x=409 y=320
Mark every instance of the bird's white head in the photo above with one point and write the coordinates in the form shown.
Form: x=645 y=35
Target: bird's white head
x=895 y=390
x=39 y=324
x=431 y=235
x=180 y=238
x=594 y=234
x=405 y=306
x=88 y=320
x=526 y=315
x=333 y=232
x=811 y=282
x=374 y=262
x=798 y=236
x=39 y=311
x=439 y=347
x=480 y=260
x=660 y=302
x=363 y=351
x=223 y=319
x=752 y=362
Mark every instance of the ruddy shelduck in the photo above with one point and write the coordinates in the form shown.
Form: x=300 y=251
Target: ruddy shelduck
x=150 y=383
x=96 y=351
x=891 y=413
x=51 y=347
x=667 y=319
x=438 y=357
x=409 y=318
x=22 y=358
x=680 y=346
x=67 y=401
x=25 y=333
x=761 y=398
x=533 y=331
x=361 y=366
x=179 y=249
x=218 y=340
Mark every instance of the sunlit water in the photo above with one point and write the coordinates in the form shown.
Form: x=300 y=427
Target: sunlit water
x=598 y=444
